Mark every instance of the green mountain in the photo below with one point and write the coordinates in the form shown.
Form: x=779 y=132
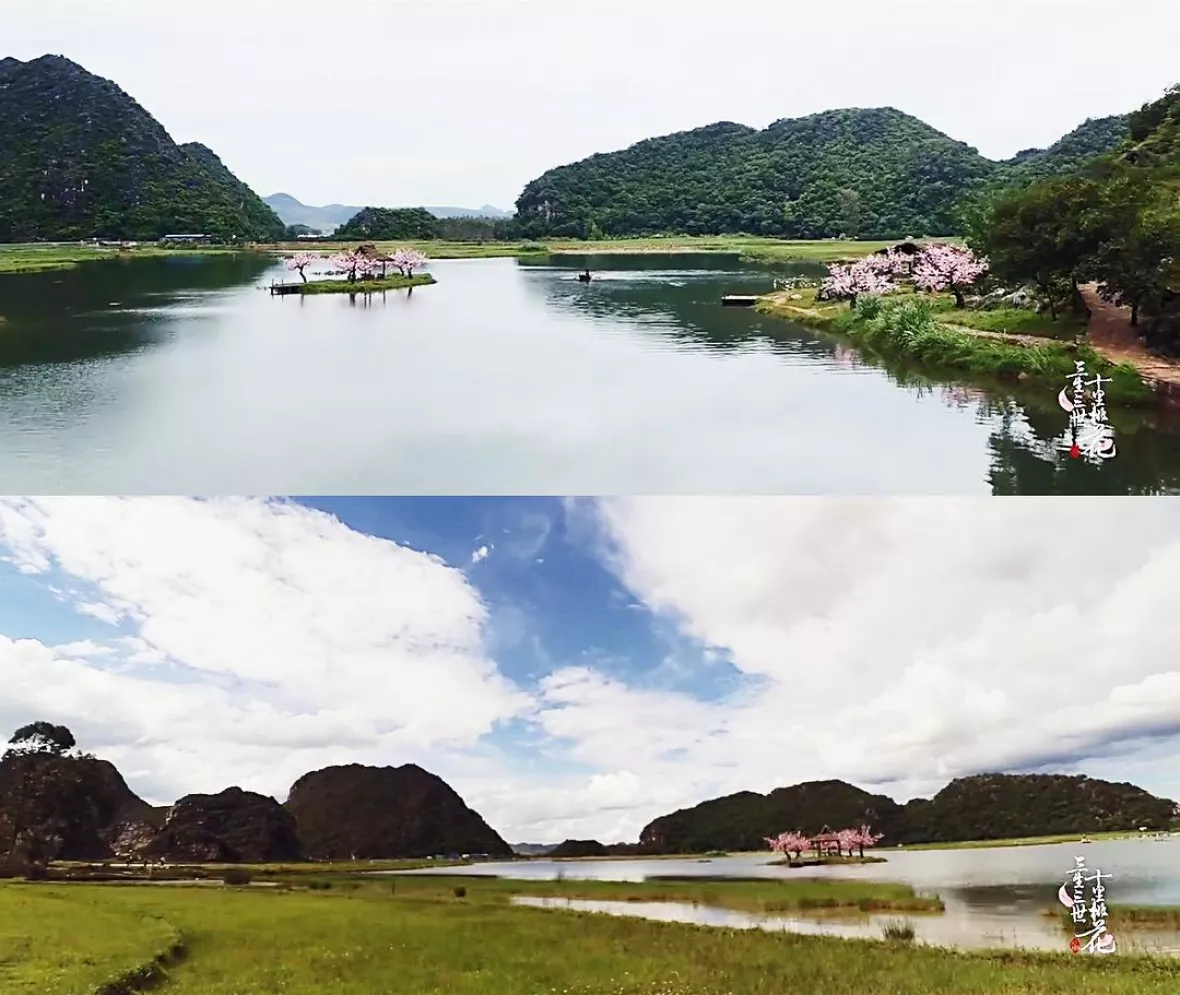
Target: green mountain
x=79 y=158
x=986 y=806
x=1093 y=138
x=872 y=173
x=385 y=224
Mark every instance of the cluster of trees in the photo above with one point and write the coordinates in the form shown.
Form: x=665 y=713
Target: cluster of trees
x=935 y=268
x=1115 y=223
x=362 y=264
x=794 y=844
x=110 y=172
x=856 y=173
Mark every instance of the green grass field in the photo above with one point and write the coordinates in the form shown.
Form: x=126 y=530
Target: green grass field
x=422 y=940
x=958 y=351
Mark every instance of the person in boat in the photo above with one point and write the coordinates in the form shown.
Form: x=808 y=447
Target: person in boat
x=585 y=277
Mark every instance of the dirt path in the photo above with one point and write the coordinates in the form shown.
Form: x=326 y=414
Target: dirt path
x=1111 y=335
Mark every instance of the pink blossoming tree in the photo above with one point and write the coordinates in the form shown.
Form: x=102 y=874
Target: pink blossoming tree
x=408 y=260
x=354 y=265
x=791 y=845
x=863 y=837
x=951 y=268
x=300 y=261
x=861 y=278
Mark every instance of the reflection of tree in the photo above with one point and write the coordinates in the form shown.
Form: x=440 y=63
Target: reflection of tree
x=65 y=316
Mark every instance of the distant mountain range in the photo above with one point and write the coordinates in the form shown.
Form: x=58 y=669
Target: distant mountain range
x=981 y=807
x=332 y=216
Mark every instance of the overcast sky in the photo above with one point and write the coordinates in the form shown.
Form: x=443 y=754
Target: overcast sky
x=462 y=102
x=576 y=669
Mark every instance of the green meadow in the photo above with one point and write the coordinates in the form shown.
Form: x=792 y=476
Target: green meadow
x=461 y=937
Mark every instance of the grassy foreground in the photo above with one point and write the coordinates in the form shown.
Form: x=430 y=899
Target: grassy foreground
x=952 y=345
x=420 y=939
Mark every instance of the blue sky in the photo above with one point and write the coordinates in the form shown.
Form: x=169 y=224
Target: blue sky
x=577 y=668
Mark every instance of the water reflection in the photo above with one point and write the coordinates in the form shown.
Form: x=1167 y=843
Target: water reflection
x=506 y=377
x=959 y=927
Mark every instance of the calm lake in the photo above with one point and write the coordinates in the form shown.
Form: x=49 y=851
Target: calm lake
x=183 y=375
x=993 y=897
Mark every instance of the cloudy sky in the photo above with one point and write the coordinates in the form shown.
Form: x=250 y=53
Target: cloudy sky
x=575 y=669
x=462 y=102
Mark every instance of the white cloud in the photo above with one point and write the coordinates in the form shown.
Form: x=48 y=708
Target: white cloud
x=890 y=642
x=481 y=554
x=899 y=642
x=293 y=641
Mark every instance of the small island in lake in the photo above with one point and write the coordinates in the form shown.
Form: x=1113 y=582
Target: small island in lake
x=363 y=271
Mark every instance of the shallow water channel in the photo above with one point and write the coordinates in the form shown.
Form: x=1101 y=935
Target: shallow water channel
x=993 y=897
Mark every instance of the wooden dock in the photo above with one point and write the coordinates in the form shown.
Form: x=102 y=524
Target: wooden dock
x=738 y=300
x=285 y=289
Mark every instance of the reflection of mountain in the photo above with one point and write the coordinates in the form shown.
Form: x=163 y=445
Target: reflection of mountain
x=67 y=315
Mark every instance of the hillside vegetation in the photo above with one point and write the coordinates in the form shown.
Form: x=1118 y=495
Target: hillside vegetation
x=983 y=807
x=79 y=158
x=868 y=173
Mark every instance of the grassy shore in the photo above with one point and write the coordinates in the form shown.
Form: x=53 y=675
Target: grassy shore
x=951 y=345
x=1022 y=841
x=394 y=282
x=35 y=258
x=256 y=941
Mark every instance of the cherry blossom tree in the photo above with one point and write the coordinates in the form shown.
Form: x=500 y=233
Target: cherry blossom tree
x=354 y=265
x=789 y=844
x=847 y=282
x=408 y=260
x=300 y=261
x=948 y=267
x=863 y=837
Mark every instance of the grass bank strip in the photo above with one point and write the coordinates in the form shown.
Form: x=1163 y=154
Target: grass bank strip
x=380 y=286
x=955 y=349
x=58 y=940
x=151 y=973
x=739 y=894
x=40 y=258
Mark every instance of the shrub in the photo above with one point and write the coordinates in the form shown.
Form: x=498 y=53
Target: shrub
x=237 y=876
x=868 y=307
x=898 y=931
x=910 y=319
x=459 y=891
x=319 y=885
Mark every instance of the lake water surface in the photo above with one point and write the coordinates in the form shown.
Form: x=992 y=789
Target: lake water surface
x=185 y=375
x=993 y=897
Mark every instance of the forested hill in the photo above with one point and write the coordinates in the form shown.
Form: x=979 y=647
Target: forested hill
x=983 y=807
x=872 y=173
x=79 y=158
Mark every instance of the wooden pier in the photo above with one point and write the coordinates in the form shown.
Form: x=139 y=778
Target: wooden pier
x=285 y=289
x=738 y=300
